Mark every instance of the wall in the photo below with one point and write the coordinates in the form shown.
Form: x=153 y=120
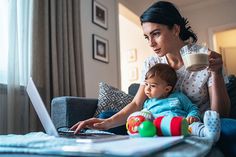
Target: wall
x=137 y=6
x=96 y=71
x=210 y=14
x=226 y=40
x=132 y=40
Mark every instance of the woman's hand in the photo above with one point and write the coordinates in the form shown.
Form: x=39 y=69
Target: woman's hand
x=92 y=123
x=215 y=62
x=191 y=119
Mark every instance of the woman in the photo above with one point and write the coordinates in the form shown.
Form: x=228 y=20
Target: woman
x=167 y=32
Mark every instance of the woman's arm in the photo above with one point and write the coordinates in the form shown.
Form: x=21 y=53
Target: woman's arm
x=219 y=98
x=117 y=119
x=136 y=105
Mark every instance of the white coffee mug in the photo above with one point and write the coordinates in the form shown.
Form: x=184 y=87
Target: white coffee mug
x=195 y=57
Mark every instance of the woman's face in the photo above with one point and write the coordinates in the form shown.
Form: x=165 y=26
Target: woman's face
x=160 y=38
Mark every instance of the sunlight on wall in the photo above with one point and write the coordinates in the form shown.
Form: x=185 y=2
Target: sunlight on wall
x=133 y=47
x=226 y=45
x=225 y=38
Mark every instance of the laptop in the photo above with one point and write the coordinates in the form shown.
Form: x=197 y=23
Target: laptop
x=87 y=136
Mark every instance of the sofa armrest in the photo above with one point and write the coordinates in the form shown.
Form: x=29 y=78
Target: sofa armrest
x=231 y=88
x=67 y=110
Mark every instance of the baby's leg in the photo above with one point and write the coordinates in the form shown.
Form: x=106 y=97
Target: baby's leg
x=197 y=129
x=212 y=125
x=210 y=128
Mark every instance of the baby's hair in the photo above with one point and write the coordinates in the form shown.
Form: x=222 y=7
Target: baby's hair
x=164 y=72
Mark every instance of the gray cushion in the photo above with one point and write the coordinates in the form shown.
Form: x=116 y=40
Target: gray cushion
x=111 y=99
x=68 y=110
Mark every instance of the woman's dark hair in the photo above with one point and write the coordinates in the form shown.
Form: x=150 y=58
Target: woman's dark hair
x=164 y=72
x=166 y=13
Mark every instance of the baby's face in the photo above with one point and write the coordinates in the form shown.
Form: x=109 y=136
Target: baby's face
x=156 y=88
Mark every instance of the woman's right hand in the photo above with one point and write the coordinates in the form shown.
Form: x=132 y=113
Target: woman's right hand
x=92 y=123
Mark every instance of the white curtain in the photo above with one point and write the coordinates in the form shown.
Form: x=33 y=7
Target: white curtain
x=15 y=108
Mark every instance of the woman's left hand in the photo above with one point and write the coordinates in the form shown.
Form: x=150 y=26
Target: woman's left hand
x=215 y=62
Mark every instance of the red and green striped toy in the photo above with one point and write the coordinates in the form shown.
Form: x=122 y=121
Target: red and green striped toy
x=171 y=126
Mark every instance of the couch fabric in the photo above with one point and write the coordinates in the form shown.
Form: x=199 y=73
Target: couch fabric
x=67 y=110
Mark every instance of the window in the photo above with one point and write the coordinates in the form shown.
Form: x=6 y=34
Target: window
x=3 y=40
x=15 y=41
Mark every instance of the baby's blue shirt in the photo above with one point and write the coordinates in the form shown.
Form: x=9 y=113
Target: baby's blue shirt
x=176 y=104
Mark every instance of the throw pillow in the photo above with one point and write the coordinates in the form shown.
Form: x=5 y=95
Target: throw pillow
x=111 y=99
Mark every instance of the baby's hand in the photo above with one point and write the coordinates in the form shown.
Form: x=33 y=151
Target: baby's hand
x=190 y=120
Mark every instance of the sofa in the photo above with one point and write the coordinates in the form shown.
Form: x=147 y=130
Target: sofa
x=67 y=110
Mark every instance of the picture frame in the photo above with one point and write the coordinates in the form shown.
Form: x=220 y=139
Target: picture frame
x=100 y=15
x=100 y=49
x=132 y=55
x=133 y=73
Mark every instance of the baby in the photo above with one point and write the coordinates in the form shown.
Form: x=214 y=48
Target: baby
x=160 y=81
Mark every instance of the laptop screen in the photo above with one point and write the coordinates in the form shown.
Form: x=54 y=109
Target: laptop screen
x=40 y=109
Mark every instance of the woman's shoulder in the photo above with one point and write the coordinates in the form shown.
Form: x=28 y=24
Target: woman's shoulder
x=149 y=62
x=154 y=59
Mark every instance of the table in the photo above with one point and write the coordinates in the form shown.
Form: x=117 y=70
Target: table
x=191 y=146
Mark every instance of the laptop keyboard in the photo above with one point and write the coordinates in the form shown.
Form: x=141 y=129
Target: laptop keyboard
x=85 y=132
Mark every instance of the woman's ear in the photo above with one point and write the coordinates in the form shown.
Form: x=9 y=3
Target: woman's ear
x=176 y=29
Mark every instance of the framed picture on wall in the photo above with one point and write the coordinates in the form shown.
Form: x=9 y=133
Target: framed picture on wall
x=133 y=73
x=132 y=55
x=99 y=15
x=100 y=49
